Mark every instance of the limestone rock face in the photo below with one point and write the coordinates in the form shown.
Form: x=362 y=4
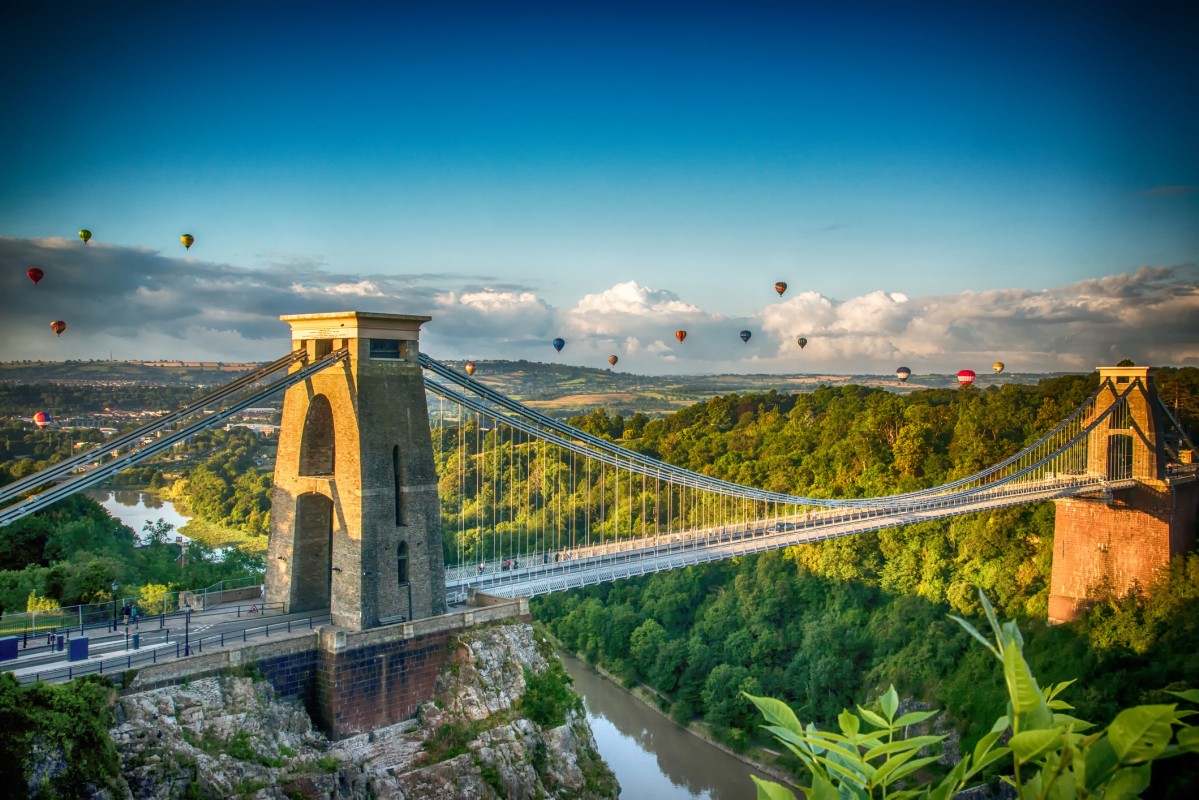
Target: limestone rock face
x=232 y=737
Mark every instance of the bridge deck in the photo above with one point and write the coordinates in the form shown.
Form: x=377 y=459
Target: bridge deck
x=634 y=557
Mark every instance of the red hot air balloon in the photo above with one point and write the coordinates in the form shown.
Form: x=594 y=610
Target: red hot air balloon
x=41 y=419
x=612 y=360
x=58 y=326
x=680 y=335
x=966 y=377
x=470 y=368
x=35 y=275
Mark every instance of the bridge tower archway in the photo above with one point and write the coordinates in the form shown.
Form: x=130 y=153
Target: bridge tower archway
x=355 y=480
x=1123 y=540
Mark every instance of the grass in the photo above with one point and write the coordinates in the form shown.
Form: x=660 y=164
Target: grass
x=213 y=535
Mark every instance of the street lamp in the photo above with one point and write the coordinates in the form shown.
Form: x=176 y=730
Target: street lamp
x=114 y=604
x=187 y=621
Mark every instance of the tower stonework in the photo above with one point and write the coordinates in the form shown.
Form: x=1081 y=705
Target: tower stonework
x=355 y=520
x=1111 y=545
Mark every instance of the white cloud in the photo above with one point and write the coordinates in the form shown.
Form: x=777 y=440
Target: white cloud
x=141 y=304
x=356 y=289
x=607 y=312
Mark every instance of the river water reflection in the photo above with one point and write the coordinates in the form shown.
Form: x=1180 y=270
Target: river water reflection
x=651 y=756
x=136 y=508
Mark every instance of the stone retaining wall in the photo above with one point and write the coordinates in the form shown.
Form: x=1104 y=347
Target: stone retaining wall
x=350 y=681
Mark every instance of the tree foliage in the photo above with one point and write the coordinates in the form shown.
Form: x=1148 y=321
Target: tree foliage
x=1042 y=751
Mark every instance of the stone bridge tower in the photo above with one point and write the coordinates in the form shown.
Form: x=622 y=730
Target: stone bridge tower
x=1112 y=544
x=355 y=521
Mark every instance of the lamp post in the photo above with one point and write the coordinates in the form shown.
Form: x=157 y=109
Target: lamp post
x=187 y=621
x=114 y=605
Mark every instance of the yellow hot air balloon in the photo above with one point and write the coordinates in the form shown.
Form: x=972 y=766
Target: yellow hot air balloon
x=188 y=240
x=470 y=368
x=85 y=235
x=998 y=367
x=58 y=326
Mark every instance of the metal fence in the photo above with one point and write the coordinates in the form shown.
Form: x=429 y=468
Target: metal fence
x=115 y=666
x=94 y=614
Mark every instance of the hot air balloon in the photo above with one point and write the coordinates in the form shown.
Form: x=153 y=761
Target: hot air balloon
x=966 y=377
x=58 y=326
x=470 y=368
x=559 y=343
x=41 y=419
x=998 y=367
x=780 y=287
x=612 y=360
x=802 y=342
x=745 y=336
x=35 y=274
x=903 y=373
x=188 y=240
x=85 y=234
x=680 y=335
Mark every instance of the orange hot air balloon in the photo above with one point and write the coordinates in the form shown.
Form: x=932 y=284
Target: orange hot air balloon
x=680 y=335
x=188 y=240
x=998 y=367
x=612 y=360
x=470 y=368
x=35 y=275
x=58 y=326
x=780 y=287
x=41 y=419
x=85 y=234
x=966 y=377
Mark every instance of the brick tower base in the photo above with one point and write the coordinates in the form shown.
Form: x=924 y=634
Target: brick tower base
x=1108 y=548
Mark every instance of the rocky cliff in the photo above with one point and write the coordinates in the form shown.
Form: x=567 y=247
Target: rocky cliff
x=503 y=723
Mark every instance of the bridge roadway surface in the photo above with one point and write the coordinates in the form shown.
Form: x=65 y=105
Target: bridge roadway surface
x=633 y=557
x=162 y=639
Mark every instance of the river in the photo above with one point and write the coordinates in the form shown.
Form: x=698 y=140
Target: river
x=651 y=756
x=135 y=508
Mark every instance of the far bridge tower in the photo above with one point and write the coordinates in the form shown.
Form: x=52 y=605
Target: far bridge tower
x=355 y=521
x=1116 y=543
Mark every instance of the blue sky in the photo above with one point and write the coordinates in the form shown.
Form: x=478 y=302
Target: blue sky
x=610 y=172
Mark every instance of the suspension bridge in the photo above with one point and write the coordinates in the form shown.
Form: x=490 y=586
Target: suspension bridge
x=404 y=486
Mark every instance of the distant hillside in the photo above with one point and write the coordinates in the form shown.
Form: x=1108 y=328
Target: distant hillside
x=558 y=389
x=564 y=390
x=123 y=373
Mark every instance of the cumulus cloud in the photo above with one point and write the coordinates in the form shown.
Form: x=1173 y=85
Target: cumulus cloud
x=137 y=303
x=611 y=310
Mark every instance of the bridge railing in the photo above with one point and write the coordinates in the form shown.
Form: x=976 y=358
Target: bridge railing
x=637 y=555
x=115 y=666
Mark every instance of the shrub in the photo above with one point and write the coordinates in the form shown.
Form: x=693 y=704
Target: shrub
x=1046 y=751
